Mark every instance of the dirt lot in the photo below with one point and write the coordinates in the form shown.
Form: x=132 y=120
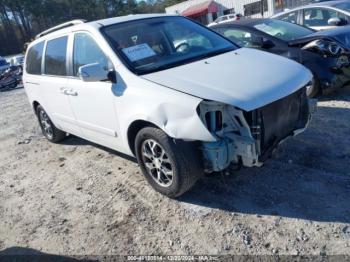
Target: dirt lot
x=77 y=198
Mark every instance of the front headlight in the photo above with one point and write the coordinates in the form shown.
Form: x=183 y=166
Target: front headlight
x=325 y=47
x=221 y=118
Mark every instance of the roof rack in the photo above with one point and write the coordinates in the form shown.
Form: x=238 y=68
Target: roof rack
x=60 y=26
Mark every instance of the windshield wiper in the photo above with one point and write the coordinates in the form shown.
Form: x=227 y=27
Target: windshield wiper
x=186 y=61
x=216 y=52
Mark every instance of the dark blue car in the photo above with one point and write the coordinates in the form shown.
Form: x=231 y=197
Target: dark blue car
x=325 y=53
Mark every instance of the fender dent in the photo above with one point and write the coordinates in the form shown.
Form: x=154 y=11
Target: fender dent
x=181 y=123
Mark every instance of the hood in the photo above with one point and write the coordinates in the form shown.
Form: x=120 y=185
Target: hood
x=341 y=34
x=245 y=78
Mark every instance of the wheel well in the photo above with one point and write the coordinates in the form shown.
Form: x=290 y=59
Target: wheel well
x=35 y=106
x=134 y=128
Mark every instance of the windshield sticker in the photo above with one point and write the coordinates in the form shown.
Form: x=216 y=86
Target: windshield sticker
x=138 y=52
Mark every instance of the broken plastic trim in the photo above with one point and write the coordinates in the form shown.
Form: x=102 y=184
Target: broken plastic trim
x=235 y=143
x=250 y=137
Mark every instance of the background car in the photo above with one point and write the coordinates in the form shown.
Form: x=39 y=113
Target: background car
x=325 y=53
x=319 y=16
x=17 y=60
x=11 y=78
x=4 y=65
x=319 y=1
x=226 y=18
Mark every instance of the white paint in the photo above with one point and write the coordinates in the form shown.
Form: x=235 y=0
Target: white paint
x=246 y=78
x=92 y=73
x=102 y=112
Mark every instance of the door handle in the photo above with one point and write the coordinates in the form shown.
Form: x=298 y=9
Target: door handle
x=68 y=92
x=32 y=83
x=71 y=92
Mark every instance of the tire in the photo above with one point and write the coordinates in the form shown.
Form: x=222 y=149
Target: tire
x=181 y=158
x=316 y=89
x=50 y=131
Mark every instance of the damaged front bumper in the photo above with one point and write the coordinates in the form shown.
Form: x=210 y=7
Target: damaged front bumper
x=249 y=138
x=219 y=155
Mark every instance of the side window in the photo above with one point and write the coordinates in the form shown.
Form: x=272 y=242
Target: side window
x=318 y=16
x=345 y=18
x=240 y=37
x=86 y=51
x=34 y=57
x=55 y=57
x=291 y=17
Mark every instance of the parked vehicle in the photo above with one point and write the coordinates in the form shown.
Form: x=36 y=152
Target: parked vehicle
x=325 y=53
x=17 y=73
x=121 y=83
x=3 y=65
x=17 y=60
x=11 y=78
x=226 y=18
x=319 y=16
x=319 y=1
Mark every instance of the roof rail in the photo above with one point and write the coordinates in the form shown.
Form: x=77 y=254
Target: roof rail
x=60 y=26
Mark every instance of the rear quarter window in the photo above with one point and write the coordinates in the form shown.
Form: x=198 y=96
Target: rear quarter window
x=34 y=56
x=291 y=17
x=56 y=56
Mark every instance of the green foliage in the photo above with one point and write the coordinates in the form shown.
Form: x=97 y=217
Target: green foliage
x=21 y=20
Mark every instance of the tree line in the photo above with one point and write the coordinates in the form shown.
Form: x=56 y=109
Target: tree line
x=21 y=20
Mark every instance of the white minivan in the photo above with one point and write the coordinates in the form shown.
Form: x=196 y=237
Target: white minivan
x=180 y=109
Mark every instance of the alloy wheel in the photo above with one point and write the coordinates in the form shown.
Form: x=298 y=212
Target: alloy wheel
x=46 y=124
x=157 y=162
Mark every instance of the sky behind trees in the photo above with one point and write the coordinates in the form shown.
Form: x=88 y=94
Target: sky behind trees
x=21 y=20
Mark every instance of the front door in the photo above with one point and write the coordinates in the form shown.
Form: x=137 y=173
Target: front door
x=93 y=103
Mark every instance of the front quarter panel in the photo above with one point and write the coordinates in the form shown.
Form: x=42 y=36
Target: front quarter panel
x=172 y=111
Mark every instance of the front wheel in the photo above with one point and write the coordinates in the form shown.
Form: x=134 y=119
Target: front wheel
x=170 y=166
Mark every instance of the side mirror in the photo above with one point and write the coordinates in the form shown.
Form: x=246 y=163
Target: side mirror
x=257 y=41
x=112 y=76
x=267 y=44
x=95 y=73
x=260 y=42
x=336 y=21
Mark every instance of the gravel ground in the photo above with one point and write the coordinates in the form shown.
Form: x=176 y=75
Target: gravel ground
x=77 y=198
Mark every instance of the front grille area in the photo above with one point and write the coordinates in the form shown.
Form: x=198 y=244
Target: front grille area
x=274 y=122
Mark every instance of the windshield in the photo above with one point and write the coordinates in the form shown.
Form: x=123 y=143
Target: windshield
x=343 y=6
x=154 y=44
x=283 y=30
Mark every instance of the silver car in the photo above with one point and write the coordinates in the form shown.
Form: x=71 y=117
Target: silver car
x=319 y=16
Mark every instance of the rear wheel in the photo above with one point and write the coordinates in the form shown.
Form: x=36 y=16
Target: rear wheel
x=50 y=131
x=170 y=166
